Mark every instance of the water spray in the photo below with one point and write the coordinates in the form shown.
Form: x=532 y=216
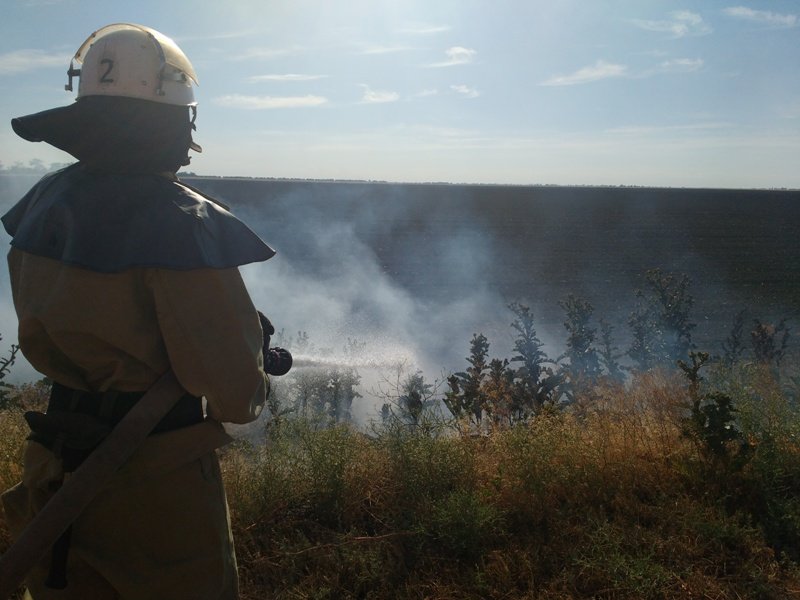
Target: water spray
x=329 y=362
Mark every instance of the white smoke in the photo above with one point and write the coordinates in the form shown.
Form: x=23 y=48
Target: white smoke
x=329 y=281
x=412 y=272
x=347 y=295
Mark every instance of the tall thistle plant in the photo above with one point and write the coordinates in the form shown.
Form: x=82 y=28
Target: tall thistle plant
x=661 y=323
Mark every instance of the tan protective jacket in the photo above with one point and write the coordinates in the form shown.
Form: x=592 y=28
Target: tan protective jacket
x=161 y=528
x=201 y=322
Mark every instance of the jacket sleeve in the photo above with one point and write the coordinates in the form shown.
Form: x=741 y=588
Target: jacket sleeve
x=213 y=339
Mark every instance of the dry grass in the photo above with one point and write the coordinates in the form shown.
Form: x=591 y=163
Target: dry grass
x=13 y=430
x=608 y=499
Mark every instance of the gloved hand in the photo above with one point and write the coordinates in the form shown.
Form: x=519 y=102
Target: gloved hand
x=277 y=361
x=267 y=328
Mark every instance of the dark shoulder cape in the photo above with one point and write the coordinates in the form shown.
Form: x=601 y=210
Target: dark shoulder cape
x=112 y=222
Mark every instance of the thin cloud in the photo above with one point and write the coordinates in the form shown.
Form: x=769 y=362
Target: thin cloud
x=426 y=93
x=681 y=23
x=682 y=65
x=385 y=49
x=284 y=77
x=21 y=61
x=674 y=66
x=265 y=53
x=424 y=29
x=762 y=16
x=465 y=90
x=221 y=35
x=600 y=70
x=378 y=96
x=268 y=102
x=457 y=55
x=648 y=130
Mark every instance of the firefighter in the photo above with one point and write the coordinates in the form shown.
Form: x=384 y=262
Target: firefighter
x=120 y=272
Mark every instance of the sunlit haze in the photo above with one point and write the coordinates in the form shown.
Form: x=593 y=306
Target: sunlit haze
x=623 y=92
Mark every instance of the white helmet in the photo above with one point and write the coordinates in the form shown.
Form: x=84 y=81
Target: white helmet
x=134 y=61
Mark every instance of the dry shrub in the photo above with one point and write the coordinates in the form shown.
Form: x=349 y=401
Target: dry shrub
x=602 y=502
x=13 y=431
x=605 y=499
x=303 y=509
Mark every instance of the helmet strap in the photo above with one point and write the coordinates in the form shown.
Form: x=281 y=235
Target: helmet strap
x=71 y=72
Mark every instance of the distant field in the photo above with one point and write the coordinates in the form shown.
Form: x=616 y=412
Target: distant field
x=740 y=247
x=424 y=266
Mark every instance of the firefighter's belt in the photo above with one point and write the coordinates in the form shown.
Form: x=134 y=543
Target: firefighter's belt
x=87 y=481
x=77 y=421
x=74 y=425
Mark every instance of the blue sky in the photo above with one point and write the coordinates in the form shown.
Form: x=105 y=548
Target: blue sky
x=633 y=92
